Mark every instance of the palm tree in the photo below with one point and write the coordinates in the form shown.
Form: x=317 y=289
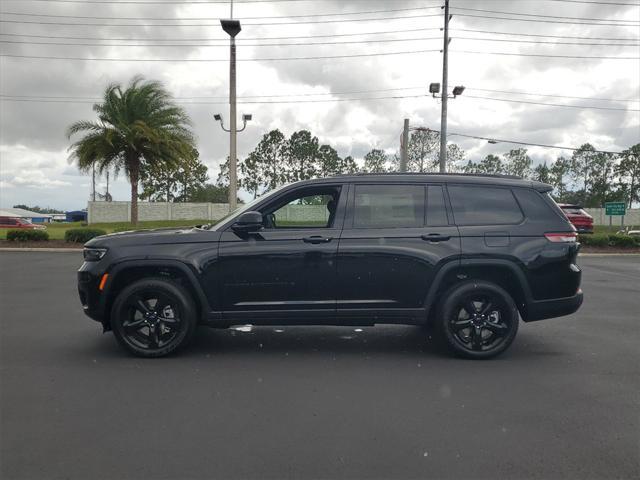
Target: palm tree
x=137 y=127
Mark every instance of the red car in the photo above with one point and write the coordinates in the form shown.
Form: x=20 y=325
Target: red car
x=17 y=222
x=578 y=217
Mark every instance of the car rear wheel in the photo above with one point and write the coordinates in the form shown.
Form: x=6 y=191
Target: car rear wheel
x=154 y=317
x=478 y=319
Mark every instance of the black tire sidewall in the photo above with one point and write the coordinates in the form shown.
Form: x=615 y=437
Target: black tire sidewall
x=450 y=304
x=172 y=289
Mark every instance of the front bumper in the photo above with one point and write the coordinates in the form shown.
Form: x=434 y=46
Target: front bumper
x=557 y=307
x=90 y=295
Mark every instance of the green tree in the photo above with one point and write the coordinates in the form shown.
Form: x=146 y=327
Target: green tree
x=542 y=173
x=422 y=153
x=628 y=171
x=302 y=154
x=329 y=162
x=455 y=158
x=559 y=172
x=137 y=127
x=210 y=193
x=173 y=182
x=518 y=163
x=376 y=161
x=491 y=165
x=265 y=164
x=582 y=162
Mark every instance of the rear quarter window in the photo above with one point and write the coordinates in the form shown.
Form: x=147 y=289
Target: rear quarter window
x=480 y=205
x=537 y=206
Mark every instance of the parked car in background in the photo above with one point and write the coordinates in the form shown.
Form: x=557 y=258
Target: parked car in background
x=17 y=223
x=578 y=217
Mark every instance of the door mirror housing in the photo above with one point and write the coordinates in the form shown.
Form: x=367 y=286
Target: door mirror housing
x=248 y=222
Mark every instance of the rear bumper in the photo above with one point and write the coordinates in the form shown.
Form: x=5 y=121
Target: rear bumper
x=558 y=307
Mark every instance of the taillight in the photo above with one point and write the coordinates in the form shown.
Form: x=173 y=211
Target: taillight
x=562 y=237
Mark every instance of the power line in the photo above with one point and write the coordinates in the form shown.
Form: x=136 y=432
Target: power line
x=546 y=35
x=303 y=37
x=178 y=2
x=322 y=57
x=303 y=22
x=347 y=42
x=61 y=99
x=511 y=92
x=517 y=142
x=471 y=15
x=594 y=107
x=340 y=14
x=226 y=40
x=4 y=98
x=601 y=57
x=205 y=2
x=275 y=59
x=543 y=16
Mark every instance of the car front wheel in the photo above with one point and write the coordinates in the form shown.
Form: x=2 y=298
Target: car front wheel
x=478 y=319
x=153 y=317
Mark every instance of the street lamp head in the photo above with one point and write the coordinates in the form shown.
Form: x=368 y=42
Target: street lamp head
x=493 y=142
x=217 y=117
x=434 y=88
x=247 y=117
x=232 y=27
x=457 y=90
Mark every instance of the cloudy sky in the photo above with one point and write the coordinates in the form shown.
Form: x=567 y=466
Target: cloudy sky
x=53 y=68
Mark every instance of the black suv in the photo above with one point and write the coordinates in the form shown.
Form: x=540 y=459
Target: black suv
x=467 y=255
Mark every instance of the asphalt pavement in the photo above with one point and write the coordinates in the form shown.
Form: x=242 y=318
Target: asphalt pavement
x=307 y=402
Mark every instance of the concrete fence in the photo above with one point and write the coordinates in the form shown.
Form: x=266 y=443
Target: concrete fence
x=102 y=212
x=599 y=218
x=105 y=212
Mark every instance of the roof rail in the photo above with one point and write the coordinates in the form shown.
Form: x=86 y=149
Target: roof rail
x=489 y=175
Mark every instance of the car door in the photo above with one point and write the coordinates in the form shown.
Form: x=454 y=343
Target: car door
x=395 y=238
x=287 y=270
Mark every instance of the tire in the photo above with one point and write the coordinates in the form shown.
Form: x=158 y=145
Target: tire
x=483 y=333
x=153 y=317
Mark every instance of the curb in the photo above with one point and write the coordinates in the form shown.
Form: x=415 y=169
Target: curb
x=609 y=254
x=43 y=249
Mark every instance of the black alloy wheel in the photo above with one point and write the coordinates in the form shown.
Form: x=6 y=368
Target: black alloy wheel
x=479 y=319
x=152 y=318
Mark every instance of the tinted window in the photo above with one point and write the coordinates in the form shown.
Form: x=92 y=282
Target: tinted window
x=534 y=204
x=436 y=211
x=476 y=205
x=389 y=206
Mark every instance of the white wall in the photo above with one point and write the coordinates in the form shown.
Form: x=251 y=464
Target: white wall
x=102 y=212
x=599 y=218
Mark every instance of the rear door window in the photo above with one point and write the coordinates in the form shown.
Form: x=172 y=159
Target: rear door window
x=480 y=205
x=389 y=206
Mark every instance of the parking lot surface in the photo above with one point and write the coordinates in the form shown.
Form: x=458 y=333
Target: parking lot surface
x=307 y=402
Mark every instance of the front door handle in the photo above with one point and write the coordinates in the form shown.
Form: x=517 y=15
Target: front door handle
x=436 y=237
x=315 y=239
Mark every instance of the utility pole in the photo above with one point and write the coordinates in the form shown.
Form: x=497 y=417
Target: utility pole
x=445 y=81
x=404 y=146
x=232 y=28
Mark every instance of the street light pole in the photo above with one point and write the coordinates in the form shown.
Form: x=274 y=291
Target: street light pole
x=404 y=146
x=232 y=27
x=445 y=81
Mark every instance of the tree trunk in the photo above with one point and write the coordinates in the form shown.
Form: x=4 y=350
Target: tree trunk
x=134 y=175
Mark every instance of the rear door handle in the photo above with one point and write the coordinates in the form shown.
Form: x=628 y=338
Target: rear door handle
x=315 y=239
x=436 y=237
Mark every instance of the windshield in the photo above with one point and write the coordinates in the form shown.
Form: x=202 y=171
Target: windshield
x=246 y=207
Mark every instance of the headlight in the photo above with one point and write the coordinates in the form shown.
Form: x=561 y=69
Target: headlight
x=94 y=254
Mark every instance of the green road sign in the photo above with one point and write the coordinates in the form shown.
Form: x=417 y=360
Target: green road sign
x=615 y=208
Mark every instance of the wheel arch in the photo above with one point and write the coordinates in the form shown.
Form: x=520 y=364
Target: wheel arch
x=129 y=271
x=503 y=273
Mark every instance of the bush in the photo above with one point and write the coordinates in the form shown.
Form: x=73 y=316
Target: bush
x=594 y=240
x=26 y=235
x=622 y=241
x=82 y=235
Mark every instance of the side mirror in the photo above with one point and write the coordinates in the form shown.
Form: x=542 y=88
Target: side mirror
x=248 y=222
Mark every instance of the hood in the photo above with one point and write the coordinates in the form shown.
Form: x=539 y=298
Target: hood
x=155 y=237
